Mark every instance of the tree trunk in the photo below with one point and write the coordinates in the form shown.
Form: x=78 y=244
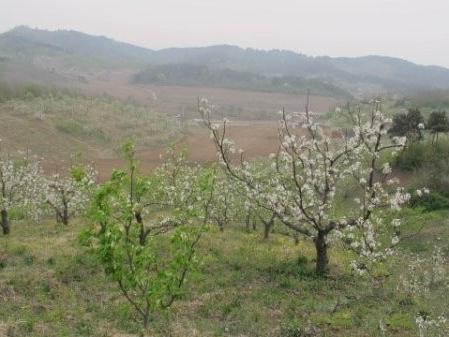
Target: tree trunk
x=248 y=221
x=296 y=238
x=143 y=233
x=268 y=226
x=221 y=225
x=65 y=216
x=62 y=218
x=322 y=260
x=266 y=229
x=5 y=222
x=146 y=321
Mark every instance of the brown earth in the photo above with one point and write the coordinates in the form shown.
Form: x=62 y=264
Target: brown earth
x=256 y=137
x=171 y=99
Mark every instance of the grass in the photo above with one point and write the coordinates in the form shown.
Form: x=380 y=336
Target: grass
x=51 y=286
x=87 y=124
x=76 y=128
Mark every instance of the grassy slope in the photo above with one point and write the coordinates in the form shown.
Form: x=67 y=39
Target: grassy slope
x=50 y=286
x=96 y=125
x=57 y=125
x=97 y=122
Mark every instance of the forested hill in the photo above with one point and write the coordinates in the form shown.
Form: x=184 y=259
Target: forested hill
x=198 y=75
x=277 y=70
x=27 y=43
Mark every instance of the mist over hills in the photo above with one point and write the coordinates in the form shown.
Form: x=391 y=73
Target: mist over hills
x=53 y=53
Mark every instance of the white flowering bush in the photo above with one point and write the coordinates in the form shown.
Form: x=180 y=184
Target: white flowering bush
x=432 y=327
x=69 y=196
x=424 y=279
x=423 y=274
x=175 y=177
x=19 y=188
x=228 y=205
x=223 y=210
x=304 y=178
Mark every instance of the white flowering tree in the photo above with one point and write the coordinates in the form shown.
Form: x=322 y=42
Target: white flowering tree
x=303 y=183
x=222 y=209
x=19 y=188
x=231 y=206
x=228 y=203
x=252 y=210
x=69 y=196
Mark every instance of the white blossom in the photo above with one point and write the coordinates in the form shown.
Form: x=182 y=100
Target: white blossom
x=302 y=181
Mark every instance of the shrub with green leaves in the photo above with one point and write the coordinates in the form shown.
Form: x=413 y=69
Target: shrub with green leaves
x=430 y=202
x=409 y=124
x=422 y=154
x=148 y=229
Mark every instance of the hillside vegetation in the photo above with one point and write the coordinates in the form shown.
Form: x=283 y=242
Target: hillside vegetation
x=50 y=286
x=131 y=206
x=71 y=47
x=65 y=52
x=196 y=75
x=57 y=123
x=249 y=278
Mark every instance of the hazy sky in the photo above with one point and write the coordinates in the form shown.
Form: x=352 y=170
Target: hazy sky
x=417 y=30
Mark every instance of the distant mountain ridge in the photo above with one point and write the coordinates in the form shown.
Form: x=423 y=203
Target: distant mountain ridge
x=73 y=43
x=256 y=68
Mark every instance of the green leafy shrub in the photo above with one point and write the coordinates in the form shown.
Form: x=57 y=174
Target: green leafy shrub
x=420 y=154
x=408 y=124
x=413 y=157
x=430 y=202
x=430 y=163
x=148 y=230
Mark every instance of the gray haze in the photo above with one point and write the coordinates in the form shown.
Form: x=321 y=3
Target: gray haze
x=417 y=30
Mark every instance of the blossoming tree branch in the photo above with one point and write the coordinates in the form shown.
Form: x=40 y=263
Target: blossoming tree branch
x=308 y=175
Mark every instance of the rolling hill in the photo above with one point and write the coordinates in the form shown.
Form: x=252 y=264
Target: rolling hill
x=57 y=55
x=198 y=75
x=30 y=44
